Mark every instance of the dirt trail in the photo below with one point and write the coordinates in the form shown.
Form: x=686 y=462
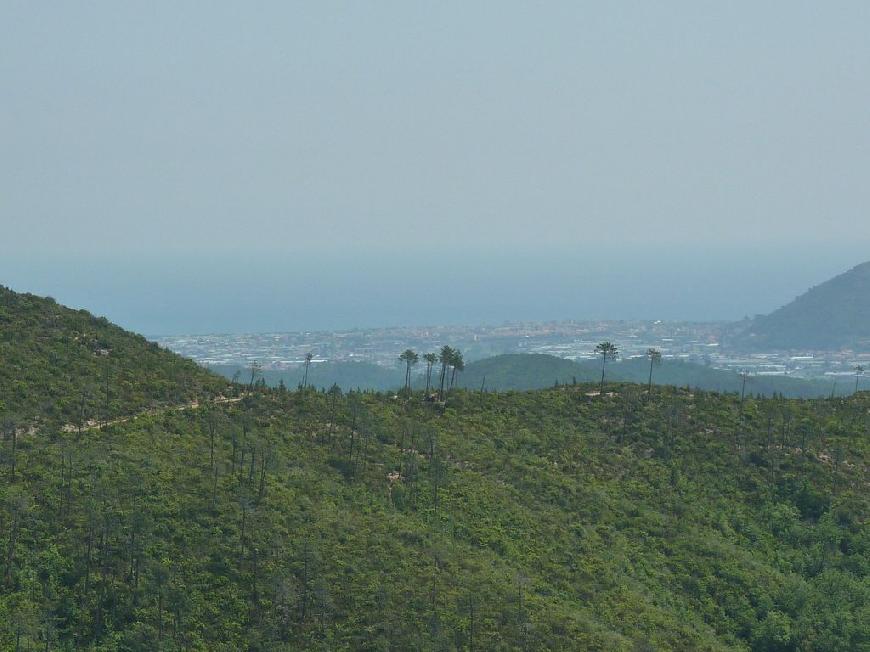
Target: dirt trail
x=91 y=424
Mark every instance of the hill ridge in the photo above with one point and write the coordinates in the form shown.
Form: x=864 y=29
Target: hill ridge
x=834 y=314
x=60 y=365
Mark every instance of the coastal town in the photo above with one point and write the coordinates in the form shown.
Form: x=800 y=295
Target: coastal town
x=697 y=342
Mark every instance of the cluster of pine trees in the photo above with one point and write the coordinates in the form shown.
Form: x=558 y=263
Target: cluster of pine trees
x=451 y=361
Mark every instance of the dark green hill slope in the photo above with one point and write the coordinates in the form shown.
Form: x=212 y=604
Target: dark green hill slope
x=523 y=371
x=55 y=363
x=833 y=315
x=541 y=520
x=535 y=371
x=347 y=375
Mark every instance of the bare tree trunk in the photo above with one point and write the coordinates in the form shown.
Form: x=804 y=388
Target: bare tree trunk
x=262 y=489
x=303 y=607
x=106 y=408
x=649 y=384
x=214 y=485
x=14 y=449
x=603 y=366
x=211 y=429
x=13 y=538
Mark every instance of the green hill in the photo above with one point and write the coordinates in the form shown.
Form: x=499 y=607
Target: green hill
x=56 y=364
x=347 y=375
x=524 y=371
x=545 y=520
x=833 y=315
x=521 y=371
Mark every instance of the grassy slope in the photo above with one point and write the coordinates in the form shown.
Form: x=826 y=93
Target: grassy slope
x=54 y=360
x=562 y=522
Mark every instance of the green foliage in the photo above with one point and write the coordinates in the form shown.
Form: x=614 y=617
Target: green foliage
x=347 y=375
x=557 y=519
x=832 y=315
x=56 y=364
x=549 y=519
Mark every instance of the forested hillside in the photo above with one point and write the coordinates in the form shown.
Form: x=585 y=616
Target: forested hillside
x=540 y=520
x=832 y=315
x=68 y=366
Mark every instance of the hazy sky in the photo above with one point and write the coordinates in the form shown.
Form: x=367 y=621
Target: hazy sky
x=336 y=147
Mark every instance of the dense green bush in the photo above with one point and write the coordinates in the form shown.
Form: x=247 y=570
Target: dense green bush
x=61 y=365
x=540 y=520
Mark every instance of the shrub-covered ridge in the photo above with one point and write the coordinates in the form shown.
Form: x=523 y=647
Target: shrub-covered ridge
x=539 y=520
x=67 y=366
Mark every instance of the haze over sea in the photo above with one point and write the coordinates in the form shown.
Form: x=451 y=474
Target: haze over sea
x=183 y=169
x=324 y=289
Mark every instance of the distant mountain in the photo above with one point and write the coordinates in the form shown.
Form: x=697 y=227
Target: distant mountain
x=347 y=375
x=521 y=371
x=833 y=315
x=59 y=364
x=524 y=371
